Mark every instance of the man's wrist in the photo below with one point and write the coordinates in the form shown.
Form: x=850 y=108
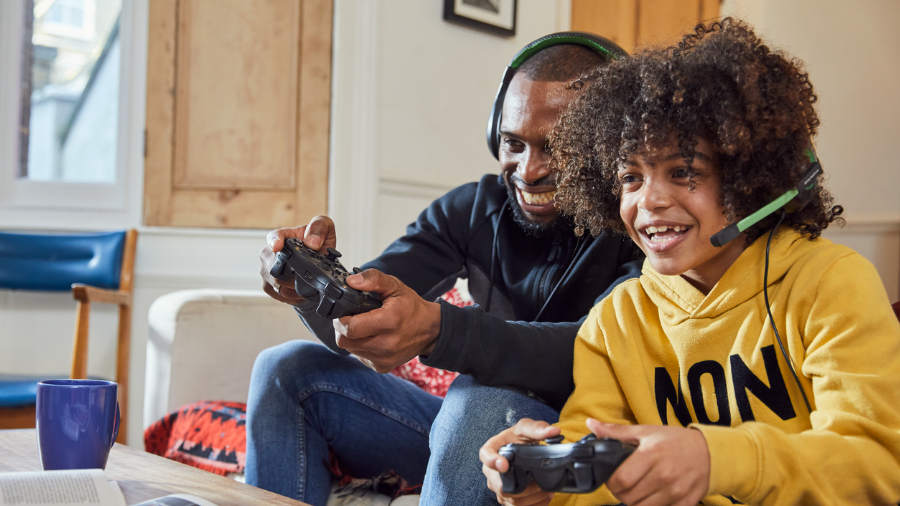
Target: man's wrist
x=434 y=327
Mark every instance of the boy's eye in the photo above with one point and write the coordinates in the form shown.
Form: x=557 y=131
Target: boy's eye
x=682 y=173
x=626 y=179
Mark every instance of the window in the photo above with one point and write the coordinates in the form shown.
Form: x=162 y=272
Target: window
x=68 y=116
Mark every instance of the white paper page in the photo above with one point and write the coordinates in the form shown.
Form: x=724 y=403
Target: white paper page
x=88 y=487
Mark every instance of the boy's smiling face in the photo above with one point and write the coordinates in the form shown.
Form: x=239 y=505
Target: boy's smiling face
x=671 y=214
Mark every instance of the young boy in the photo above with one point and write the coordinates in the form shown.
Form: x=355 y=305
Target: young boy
x=684 y=361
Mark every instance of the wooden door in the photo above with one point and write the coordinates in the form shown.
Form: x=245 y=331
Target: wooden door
x=238 y=107
x=635 y=23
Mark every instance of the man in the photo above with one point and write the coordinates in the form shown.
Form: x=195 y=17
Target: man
x=523 y=264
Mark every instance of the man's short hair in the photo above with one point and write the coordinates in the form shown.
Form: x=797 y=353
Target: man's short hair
x=561 y=63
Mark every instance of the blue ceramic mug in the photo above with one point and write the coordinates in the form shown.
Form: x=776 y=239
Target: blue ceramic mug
x=77 y=423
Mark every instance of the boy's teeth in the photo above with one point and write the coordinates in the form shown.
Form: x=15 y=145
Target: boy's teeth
x=662 y=228
x=538 y=199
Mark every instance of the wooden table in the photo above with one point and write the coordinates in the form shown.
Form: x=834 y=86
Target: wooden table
x=143 y=476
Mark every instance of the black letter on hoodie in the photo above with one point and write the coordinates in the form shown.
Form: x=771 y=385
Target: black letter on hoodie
x=720 y=386
x=775 y=397
x=665 y=393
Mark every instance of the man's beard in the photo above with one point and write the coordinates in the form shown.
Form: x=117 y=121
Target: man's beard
x=559 y=227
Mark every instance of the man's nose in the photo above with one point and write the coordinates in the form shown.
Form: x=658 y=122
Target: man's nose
x=534 y=166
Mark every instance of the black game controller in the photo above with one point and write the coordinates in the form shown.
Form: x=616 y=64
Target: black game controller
x=574 y=468
x=321 y=278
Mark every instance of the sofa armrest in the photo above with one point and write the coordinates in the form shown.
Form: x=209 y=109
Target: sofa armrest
x=202 y=344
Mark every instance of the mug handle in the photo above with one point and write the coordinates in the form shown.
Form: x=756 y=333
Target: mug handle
x=116 y=429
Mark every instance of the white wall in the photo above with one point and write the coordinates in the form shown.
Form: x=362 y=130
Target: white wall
x=851 y=51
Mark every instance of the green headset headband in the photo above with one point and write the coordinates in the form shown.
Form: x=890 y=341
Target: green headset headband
x=600 y=45
x=793 y=200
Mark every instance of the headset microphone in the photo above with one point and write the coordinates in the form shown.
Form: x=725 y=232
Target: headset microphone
x=792 y=201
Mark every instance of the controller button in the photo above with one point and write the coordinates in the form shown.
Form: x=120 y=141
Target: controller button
x=584 y=476
x=333 y=291
x=325 y=307
x=278 y=269
x=308 y=276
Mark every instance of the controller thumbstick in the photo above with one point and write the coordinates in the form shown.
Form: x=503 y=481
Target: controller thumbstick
x=554 y=440
x=333 y=254
x=356 y=270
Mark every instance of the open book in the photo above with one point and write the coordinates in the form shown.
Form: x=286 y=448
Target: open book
x=88 y=487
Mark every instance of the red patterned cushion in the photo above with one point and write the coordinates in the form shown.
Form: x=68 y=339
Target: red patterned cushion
x=207 y=435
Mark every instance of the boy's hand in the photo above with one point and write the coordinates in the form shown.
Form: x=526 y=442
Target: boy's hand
x=669 y=466
x=525 y=431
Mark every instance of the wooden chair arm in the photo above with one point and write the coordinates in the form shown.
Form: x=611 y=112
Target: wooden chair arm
x=85 y=293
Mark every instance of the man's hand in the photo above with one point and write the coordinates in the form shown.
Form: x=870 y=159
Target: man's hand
x=404 y=326
x=319 y=234
x=669 y=466
x=492 y=464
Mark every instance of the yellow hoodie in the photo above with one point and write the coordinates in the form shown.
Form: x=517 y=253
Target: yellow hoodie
x=657 y=351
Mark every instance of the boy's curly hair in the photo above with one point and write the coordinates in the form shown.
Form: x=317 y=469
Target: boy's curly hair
x=720 y=83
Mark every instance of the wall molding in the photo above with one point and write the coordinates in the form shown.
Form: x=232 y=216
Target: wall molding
x=352 y=170
x=868 y=226
x=415 y=189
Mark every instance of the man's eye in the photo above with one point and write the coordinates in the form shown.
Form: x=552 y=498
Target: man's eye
x=628 y=179
x=512 y=143
x=682 y=173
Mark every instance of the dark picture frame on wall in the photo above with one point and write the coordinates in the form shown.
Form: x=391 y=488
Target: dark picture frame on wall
x=494 y=16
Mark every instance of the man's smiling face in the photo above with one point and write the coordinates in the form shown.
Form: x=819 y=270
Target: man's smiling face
x=530 y=111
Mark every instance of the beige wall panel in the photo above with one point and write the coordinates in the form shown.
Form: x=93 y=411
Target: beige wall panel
x=709 y=10
x=238 y=112
x=160 y=121
x=315 y=109
x=233 y=208
x=614 y=19
x=663 y=22
x=236 y=95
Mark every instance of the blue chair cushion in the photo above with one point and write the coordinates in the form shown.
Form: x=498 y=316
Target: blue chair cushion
x=18 y=391
x=55 y=262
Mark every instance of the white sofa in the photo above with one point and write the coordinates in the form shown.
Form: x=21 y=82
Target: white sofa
x=201 y=347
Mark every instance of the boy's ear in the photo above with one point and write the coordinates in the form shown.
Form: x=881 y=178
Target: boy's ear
x=792 y=201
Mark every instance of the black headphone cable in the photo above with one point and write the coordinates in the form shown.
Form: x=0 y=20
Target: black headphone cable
x=787 y=358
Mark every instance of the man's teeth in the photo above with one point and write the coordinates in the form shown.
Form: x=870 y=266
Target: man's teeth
x=538 y=199
x=662 y=228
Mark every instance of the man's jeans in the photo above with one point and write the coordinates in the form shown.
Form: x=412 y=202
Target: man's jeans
x=304 y=399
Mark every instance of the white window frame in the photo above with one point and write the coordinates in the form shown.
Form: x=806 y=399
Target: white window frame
x=43 y=204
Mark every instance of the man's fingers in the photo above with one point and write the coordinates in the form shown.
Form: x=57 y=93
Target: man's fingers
x=320 y=233
x=275 y=238
x=373 y=280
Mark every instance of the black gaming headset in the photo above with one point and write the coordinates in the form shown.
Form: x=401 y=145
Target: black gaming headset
x=600 y=45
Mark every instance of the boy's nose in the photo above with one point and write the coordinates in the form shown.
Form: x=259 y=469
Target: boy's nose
x=654 y=195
